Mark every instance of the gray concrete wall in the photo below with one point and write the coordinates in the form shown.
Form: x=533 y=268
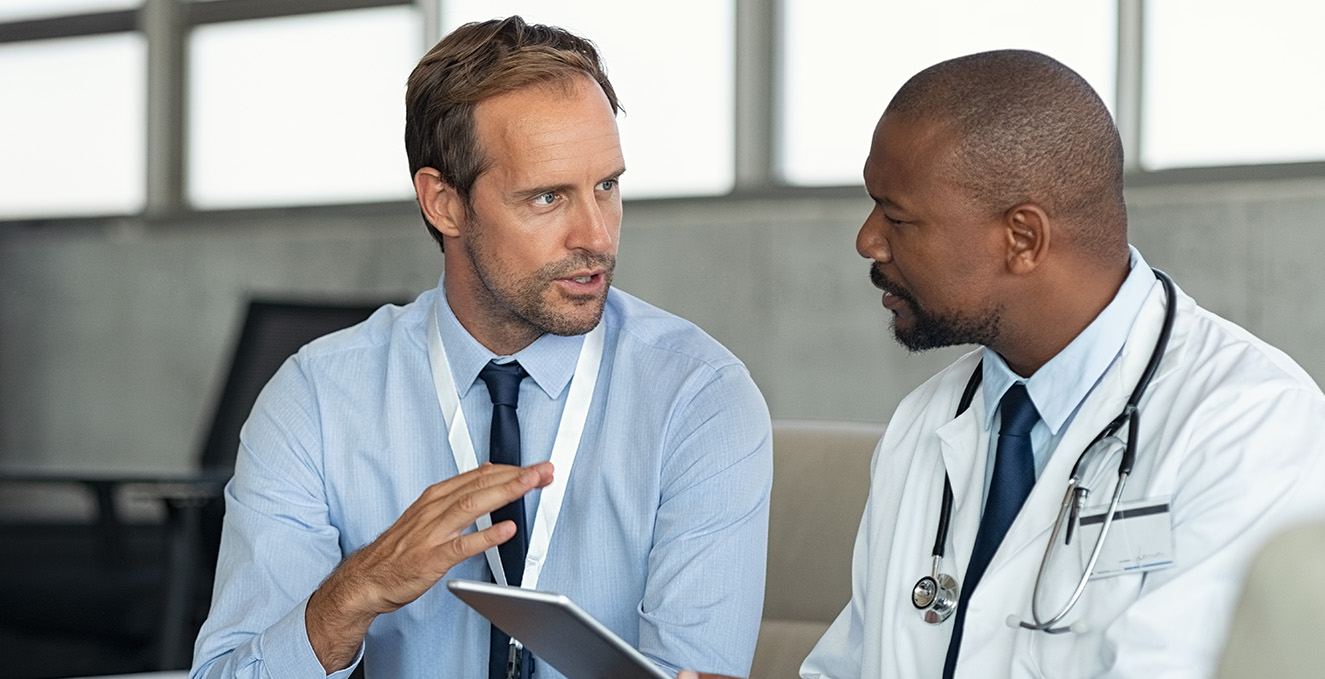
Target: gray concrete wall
x=113 y=336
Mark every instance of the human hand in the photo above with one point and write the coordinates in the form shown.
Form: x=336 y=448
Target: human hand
x=691 y=674
x=412 y=555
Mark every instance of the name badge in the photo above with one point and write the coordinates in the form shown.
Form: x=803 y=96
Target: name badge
x=1140 y=539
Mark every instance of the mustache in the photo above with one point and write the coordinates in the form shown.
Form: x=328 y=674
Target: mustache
x=578 y=262
x=882 y=282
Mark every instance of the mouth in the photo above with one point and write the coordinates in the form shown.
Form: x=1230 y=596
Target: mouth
x=893 y=303
x=895 y=298
x=583 y=282
x=580 y=277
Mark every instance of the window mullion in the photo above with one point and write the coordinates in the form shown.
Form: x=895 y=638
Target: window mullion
x=1131 y=48
x=755 y=105
x=162 y=24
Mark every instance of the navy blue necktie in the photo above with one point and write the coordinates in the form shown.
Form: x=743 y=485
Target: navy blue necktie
x=503 y=380
x=1014 y=475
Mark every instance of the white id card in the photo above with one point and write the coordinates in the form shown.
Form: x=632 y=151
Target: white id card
x=1140 y=538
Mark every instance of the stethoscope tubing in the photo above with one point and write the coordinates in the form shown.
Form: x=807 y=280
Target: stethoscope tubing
x=1074 y=496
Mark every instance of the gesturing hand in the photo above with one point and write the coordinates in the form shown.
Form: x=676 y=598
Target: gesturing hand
x=413 y=554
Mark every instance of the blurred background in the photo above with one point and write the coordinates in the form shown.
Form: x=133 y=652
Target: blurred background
x=163 y=162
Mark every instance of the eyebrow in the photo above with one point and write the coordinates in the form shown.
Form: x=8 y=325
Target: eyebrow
x=884 y=201
x=555 y=188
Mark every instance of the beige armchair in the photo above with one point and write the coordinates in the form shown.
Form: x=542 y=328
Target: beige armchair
x=820 y=482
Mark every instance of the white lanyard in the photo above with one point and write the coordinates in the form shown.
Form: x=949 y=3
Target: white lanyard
x=564 y=448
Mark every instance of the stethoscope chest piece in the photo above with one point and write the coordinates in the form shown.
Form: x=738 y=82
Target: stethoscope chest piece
x=935 y=596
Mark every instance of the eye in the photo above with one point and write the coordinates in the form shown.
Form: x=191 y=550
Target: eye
x=607 y=185
x=545 y=199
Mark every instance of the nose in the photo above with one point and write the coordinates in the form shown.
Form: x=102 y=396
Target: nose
x=872 y=242
x=595 y=226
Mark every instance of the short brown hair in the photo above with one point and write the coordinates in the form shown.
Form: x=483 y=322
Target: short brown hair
x=478 y=61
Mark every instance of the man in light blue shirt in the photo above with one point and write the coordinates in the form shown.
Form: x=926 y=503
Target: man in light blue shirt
x=351 y=503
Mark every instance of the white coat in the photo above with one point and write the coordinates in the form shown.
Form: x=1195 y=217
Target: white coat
x=1231 y=431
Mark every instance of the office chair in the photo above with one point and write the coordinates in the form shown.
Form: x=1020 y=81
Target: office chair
x=111 y=596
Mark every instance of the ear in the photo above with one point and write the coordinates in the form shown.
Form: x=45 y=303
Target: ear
x=442 y=206
x=1028 y=233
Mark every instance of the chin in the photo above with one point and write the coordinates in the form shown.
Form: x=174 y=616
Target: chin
x=578 y=319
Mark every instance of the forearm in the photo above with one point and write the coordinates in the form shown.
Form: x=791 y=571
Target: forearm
x=336 y=626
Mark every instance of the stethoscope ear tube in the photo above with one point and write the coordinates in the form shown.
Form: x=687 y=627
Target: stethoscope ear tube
x=1048 y=625
x=928 y=589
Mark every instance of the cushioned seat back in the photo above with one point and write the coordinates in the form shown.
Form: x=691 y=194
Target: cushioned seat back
x=820 y=482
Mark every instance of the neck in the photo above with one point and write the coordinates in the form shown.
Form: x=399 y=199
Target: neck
x=1054 y=313
x=501 y=333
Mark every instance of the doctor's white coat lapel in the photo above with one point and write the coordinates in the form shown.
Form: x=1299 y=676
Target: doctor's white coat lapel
x=963 y=444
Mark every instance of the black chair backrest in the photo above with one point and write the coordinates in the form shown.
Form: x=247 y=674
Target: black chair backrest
x=273 y=331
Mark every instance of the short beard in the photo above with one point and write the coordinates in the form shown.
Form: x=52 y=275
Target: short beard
x=522 y=303
x=528 y=304
x=932 y=330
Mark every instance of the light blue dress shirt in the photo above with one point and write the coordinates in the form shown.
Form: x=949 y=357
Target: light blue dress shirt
x=662 y=536
x=1060 y=386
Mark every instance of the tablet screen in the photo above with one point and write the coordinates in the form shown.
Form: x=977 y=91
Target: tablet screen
x=557 y=631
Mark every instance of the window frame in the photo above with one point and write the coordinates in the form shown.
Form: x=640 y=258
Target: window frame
x=167 y=24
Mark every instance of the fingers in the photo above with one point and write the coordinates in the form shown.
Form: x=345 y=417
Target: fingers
x=437 y=521
x=490 y=475
x=483 y=490
x=472 y=544
x=458 y=501
x=429 y=538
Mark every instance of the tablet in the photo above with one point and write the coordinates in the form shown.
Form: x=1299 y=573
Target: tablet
x=560 y=633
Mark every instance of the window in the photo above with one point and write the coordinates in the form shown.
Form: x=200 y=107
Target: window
x=74 y=140
x=672 y=67
x=11 y=10
x=842 y=60
x=307 y=108
x=301 y=110
x=1227 y=83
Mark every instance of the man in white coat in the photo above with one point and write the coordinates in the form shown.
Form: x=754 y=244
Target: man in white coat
x=999 y=220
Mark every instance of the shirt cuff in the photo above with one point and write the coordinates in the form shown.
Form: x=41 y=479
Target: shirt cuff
x=287 y=652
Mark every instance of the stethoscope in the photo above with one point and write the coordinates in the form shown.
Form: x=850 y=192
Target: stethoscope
x=936 y=595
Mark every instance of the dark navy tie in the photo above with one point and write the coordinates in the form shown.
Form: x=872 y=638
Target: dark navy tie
x=503 y=382
x=1014 y=475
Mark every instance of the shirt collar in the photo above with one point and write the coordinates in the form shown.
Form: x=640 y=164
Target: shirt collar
x=1059 y=386
x=550 y=360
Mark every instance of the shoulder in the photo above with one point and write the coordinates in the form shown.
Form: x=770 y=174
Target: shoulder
x=1234 y=407
x=938 y=397
x=356 y=362
x=651 y=334
x=389 y=327
x=689 y=376
x=1220 y=357
x=915 y=424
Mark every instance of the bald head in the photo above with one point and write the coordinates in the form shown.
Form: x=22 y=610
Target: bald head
x=1030 y=130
